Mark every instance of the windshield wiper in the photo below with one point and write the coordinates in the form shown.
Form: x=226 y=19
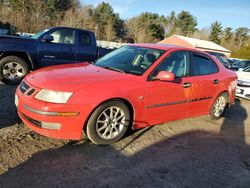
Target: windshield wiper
x=114 y=69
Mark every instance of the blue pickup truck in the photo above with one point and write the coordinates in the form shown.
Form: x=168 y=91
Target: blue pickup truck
x=53 y=46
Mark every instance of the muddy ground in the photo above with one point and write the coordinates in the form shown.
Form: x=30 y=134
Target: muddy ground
x=196 y=152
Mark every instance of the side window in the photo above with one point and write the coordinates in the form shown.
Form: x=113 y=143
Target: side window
x=202 y=65
x=63 y=36
x=177 y=63
x=84 y=38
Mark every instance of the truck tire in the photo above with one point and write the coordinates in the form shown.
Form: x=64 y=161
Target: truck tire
x=13 y=69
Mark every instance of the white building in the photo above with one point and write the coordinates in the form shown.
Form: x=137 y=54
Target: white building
x=203 y=45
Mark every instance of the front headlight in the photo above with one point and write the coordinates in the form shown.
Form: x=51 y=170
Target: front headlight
x=53 y=96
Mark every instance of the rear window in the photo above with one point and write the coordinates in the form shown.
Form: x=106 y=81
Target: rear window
x=84 y=38
x=221 y=57
x=243 y=64
x=202 y=65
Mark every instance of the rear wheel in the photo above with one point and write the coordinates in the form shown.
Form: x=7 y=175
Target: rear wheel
x=108 y=123
x=219 y=106
x=13 y=69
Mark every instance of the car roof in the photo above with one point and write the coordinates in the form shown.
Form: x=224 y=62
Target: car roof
x=167 y=47
x=60 y=27
x=215 y=53
x=158 y=46
x=243 y=61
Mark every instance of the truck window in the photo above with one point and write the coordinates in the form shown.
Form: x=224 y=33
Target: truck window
x=84 y=38
x=63 y=36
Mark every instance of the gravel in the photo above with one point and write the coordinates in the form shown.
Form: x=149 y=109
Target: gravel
x=195 y=152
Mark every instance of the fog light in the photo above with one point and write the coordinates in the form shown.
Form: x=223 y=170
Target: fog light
x=52 y=126
x=247 y=95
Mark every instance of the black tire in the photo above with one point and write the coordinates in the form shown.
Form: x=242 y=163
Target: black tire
x=219 y=106
x=93 y=128
x=13 y=69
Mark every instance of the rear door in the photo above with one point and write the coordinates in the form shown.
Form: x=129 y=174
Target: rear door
x=59 y=51
x=86 y=46
x=205 y=83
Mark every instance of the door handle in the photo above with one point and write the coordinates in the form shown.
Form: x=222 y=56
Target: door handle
x=70 y=49
x=186 y=85
x=216 y=81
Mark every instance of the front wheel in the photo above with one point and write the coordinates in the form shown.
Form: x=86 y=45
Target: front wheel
x=218 y=106
x=108 y=123
x=13 y=69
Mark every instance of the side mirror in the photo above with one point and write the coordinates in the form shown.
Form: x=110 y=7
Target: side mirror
x=165 y=76
x=48 y=38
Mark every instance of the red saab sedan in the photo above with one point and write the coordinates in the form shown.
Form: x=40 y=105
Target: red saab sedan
x=135 y=86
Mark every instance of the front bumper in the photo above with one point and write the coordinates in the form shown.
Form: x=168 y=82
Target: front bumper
x=61 y=121
x=243 y=92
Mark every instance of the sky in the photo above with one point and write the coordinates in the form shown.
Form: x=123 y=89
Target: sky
x=230 y=13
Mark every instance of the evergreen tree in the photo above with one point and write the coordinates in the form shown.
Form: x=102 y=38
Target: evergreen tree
x=241 y=35
x=215 y=33
x=227 y=35
x=147 y=27
x=108 y=24
x=171 y=24
x=186 y=23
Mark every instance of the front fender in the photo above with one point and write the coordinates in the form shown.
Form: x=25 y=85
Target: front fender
x=96 y=95
x=22 y=49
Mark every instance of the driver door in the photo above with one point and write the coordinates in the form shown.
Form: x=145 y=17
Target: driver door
x=59 y=51
x=166 y=101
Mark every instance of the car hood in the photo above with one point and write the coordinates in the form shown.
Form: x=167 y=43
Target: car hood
x=243 y=75
x=10 y=43
x=16 y=37
x=73 y=77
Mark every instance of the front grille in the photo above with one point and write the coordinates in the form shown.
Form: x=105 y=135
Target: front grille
x=30 y=92
x=26 y=89
x=241 y=85
x=34 y=122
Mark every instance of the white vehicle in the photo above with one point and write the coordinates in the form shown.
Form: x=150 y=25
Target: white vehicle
x=243 y=85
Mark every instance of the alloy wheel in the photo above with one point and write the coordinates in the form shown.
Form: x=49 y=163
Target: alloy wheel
x=219 y=106
x=13 y=71
x=110 y=122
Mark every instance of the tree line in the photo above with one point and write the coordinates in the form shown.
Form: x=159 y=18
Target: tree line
x=33 y=15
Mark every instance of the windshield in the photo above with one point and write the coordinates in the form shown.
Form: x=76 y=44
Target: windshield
x=224 y=59
x=243 y=64
x=221 y=57
x=130 y=59
x=40 y=33
x=247 y=69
